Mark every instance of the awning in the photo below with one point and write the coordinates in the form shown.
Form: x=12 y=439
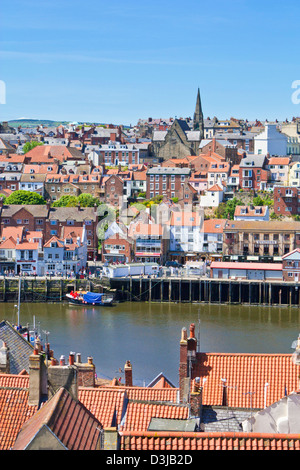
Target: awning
x=147 y=254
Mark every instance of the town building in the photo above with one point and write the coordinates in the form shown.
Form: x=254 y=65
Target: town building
x=150 y=242
x=253 y=173
x=248 y=270
x=185 y=236
x=279 y=168
x=286 y=200
x=291 y=266
x=180 y=140
x=251 y=213
x=117 y=249
x=166 y=181
x=266 y=240
x=270 y=141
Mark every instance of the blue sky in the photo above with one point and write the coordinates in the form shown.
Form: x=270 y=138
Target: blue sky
x=100 y=61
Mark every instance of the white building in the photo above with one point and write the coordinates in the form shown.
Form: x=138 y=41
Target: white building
x=185 y=232
x=213 y=196
x=212 y=235
x=251 y=213
x=65 y=255
x=270 y=141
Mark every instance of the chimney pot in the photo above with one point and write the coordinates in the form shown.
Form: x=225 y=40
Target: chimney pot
x=71 y=358
x=78 y=358
x=192 y=330
x=62 y=360
x=90 y=360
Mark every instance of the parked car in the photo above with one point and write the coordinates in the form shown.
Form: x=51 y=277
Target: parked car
x=173 y=264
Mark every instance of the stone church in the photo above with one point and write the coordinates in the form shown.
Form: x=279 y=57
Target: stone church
x=180 y=140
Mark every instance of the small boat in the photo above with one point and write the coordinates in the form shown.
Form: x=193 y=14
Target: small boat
x=89 y=298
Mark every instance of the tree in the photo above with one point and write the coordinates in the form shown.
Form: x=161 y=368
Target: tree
x=66 y=201
x=24 y=197
x=30 y=145
x=87 y=200
x=226 y=210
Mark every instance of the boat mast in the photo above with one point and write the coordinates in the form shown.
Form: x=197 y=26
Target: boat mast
x=19 y=300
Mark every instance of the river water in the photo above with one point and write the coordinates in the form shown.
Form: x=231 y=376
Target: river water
x=148 y=334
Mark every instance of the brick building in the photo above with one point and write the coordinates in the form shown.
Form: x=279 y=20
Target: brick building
x=253 y=172
x=117 y=249
x=166 y=181
x=60 y=218
x=291 y=266
x=113 y=189
x=286 y=200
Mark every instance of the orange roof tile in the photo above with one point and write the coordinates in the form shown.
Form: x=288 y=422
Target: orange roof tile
x=214 y=225
x=245 y=374
x=104 y=404
x=138 y=415
x=14 y=407
x=189 y=441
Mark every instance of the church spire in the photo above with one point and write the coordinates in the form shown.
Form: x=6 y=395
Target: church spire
x=198 y=116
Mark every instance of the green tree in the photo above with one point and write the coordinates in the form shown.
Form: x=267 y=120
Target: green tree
x=226 y=210
x=30 y=145
x=66 y=201
x=88 y=200
x=25 y=197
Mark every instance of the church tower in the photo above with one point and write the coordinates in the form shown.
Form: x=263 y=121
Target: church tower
x=198 y=117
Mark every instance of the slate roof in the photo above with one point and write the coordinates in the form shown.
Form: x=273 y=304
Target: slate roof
x=37 y=210
x=74 y=213
x=19 y=348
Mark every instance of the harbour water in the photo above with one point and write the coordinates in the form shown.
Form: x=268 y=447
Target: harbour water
x=148 y=334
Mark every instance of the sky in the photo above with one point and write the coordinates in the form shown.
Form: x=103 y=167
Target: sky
x=121 y=61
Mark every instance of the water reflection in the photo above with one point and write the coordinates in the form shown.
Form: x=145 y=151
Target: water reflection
x=148 y=334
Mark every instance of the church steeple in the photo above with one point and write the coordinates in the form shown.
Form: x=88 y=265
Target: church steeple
x=198 y=116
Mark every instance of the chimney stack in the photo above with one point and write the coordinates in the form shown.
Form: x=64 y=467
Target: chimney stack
x=128 y=374
x=37 y=378
x=4 y=359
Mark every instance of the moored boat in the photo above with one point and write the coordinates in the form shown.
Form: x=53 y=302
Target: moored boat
x=89 y=298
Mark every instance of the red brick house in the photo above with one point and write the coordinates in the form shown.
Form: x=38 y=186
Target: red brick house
x=117 y=249
x=286 y=200
x=291 y=266
x=166 y=181
x=253 y=173
x=113 y=189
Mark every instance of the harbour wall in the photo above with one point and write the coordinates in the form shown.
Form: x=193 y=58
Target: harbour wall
x=45 y=289
x=142 y=289
x=205 y=290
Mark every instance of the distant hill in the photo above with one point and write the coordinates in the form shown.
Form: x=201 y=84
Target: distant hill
x=49 y=123
x=37 y=122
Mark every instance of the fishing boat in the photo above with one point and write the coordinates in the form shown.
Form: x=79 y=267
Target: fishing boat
x=89 y=298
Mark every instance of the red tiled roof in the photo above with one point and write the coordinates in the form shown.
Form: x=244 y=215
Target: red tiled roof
x=103 y=403
x=214 y=225
x=75 y=427
x=14 y=407
x=246 y=376
x=189 y=441
x=139 y=414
